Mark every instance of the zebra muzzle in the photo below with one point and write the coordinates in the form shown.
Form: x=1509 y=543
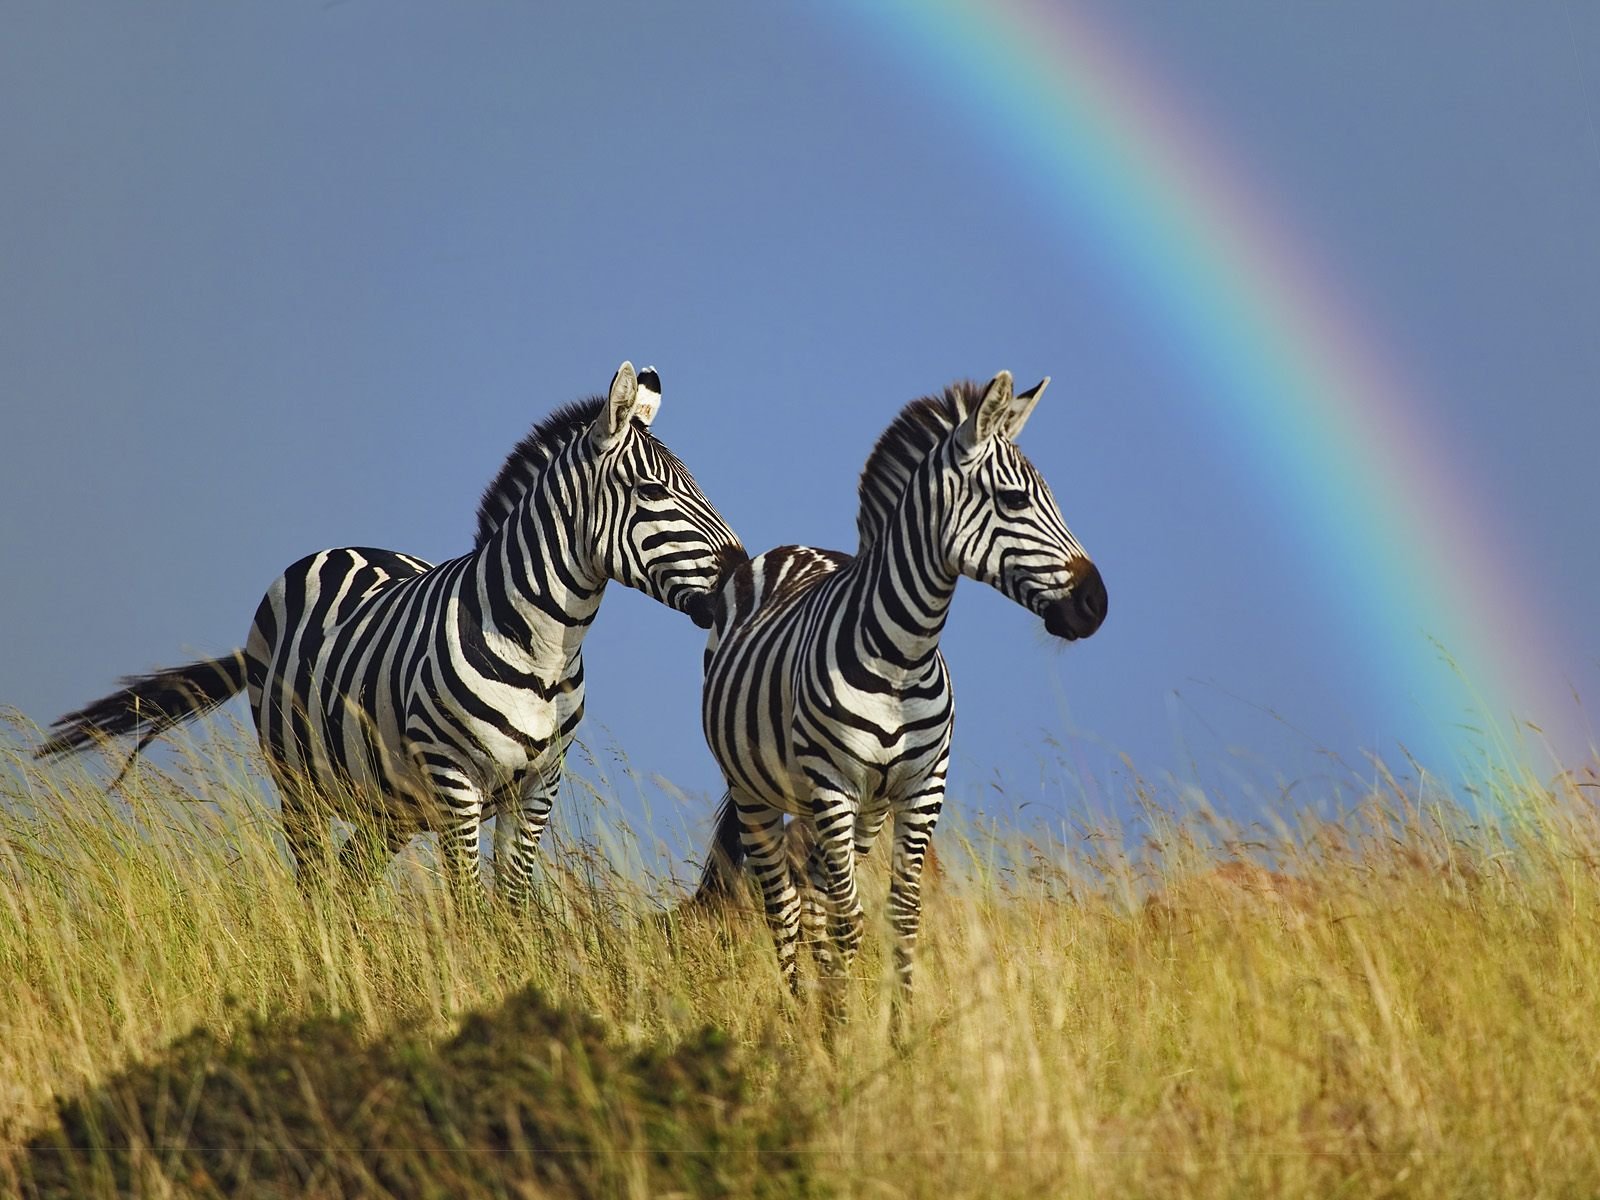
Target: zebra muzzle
x=702 y=608
x=1080 y=613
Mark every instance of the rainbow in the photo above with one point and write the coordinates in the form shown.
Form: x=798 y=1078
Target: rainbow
x=1335 y=431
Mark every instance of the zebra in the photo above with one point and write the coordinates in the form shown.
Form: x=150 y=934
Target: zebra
x=826 y=696
x=406 y=697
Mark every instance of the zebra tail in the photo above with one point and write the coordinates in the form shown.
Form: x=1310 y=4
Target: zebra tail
x=719 y=878
x=148 y=705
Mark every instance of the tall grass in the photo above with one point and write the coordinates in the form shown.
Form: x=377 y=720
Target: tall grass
x=1401 y=1001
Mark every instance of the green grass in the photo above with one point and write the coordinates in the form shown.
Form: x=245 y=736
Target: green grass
x=1400 y=1002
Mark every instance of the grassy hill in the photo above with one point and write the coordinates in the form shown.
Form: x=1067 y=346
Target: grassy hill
x=1400 y=1002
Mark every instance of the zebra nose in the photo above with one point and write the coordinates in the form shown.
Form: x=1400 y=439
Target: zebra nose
x=1081 y=613
x=1090 y=592
x=702 y=608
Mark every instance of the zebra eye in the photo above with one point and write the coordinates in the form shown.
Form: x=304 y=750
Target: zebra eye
x=651 y=491
x=1013 y=499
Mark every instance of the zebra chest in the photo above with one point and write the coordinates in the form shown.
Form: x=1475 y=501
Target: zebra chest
x=873 y=743
x=523 y=715
x=501 y=727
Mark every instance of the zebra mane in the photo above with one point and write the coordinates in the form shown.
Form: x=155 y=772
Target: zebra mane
x=909 y=439
x=528 y=459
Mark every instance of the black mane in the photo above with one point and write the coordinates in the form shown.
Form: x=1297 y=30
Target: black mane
x=528 y=459
x=910 y=437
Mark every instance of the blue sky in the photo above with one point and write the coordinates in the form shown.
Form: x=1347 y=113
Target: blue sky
x=293 y=276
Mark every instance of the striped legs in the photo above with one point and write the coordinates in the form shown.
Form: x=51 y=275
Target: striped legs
x=367 y=852
x=831 y=906
x=869 y=822
x=456 y=816
x=305 y=832
x=521 y=823
x=761 y=838
x=458 y=840
x=306 y=816
x=828 y=905
x=832 y=875
x=913 y=831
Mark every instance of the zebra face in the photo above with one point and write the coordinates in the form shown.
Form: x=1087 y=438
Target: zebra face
x=658 y=532
x=1004 y=527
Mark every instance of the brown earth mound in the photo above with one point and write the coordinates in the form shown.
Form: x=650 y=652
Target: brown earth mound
x=528 y=1099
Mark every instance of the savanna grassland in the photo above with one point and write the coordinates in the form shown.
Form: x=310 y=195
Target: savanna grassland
x=1398 y=1002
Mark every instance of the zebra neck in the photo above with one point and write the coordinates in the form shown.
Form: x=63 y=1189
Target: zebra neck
x=536 y=584
x=903 y=589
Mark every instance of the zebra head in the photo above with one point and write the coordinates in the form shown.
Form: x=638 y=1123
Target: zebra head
x=1003 y=526
x=656 y=531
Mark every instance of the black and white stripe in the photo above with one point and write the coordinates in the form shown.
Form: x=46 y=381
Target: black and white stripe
x=407 y=697
x=826 y=697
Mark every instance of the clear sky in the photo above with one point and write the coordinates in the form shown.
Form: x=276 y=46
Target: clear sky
x=281 y=277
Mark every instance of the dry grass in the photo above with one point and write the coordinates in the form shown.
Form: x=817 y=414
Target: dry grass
x=1401 y=1002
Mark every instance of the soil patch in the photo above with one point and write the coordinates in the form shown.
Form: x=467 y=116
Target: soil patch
x=527 y=1099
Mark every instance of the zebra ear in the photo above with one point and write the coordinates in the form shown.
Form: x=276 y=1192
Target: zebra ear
x=1022 y=407
x=649 y=395
x=990 y=418
x=618 y=410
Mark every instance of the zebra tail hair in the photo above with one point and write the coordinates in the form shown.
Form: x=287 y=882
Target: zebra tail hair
x=719 y=878
x=148 y=705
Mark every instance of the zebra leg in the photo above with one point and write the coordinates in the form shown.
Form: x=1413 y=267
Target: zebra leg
x=367 y=852
x=814 y=908
x=832 y=871
x=913 y=831
x=869 y=823
x=457 y=818
x=305 y=830
x=761 y=838
x=800 y=840
x=522 y=820
x=813 y=898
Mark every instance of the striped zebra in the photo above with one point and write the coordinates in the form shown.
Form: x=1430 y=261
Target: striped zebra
x=405 y=697
x=826 y=697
